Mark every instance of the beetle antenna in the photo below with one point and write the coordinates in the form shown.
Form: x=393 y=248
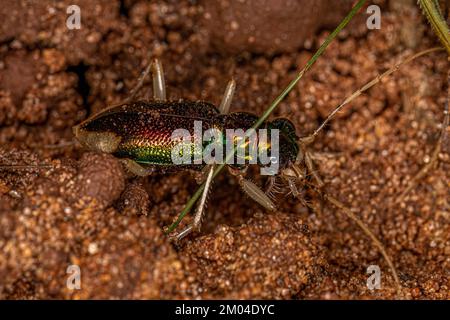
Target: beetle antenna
x=366 y=230
x=366 y=87
x=370 y=234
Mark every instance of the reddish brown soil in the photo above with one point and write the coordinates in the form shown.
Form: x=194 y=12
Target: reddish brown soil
x=85 y=209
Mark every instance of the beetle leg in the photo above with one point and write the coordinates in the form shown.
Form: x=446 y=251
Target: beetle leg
x=227 y=97
x=252 y=190
x=223 y=108
x=273 y=187
x=199 y=213
x=305 y=155
x=139 y=83
x=310 y=165
x=159 y=86
x=136 y=169
x=209 y=170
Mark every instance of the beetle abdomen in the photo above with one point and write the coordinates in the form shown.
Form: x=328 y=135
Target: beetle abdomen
x=145 y=129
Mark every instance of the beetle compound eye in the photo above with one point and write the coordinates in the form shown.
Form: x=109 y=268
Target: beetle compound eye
x=285 y=126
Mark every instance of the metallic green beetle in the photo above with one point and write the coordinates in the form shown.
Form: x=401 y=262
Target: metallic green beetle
x=139 y=132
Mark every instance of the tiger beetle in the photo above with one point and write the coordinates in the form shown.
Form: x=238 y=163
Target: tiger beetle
x=138 y=132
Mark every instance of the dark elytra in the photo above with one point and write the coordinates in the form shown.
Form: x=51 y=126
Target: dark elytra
x=142 y=123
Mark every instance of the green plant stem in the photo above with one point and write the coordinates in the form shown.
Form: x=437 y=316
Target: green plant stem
x=271 y=108
x=431 y=10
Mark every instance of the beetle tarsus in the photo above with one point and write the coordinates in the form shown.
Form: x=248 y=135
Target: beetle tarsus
x=225 y=104
x=159 y=84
